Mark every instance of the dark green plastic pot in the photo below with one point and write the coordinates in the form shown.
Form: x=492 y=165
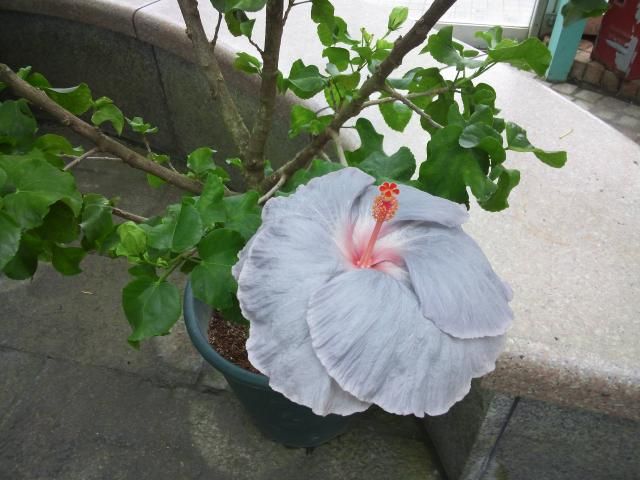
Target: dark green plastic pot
x=276 y=416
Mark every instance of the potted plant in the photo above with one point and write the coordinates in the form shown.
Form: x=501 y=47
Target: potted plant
x=354 y=278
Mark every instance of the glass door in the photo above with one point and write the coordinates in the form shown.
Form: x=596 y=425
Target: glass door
x=519 y=18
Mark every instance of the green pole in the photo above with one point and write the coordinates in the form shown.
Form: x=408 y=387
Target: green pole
x=563 y=45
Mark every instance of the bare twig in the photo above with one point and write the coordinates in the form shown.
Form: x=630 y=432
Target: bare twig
x=286 y=12
x=324 y=156
x=128 y=215
x=403 y=45
x=254 y=161
x=82 y=157
x=427 y=118
x=273 y=190
x=429 y=93
x=104 y=143
x=213 y=74
x=339 y=150
x=256 y=46
x=215 y=34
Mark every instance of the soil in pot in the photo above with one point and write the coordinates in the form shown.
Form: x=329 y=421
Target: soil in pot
x=229 y=340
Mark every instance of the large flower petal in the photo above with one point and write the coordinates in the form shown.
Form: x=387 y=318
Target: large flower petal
x=415 y=205
x=369 y=333
x=327 y=199
x=285 y=263
x=457 y=288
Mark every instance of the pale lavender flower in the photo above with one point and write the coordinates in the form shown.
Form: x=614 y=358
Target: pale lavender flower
x=407 y=330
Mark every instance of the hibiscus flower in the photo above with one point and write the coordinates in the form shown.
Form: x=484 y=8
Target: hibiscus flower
x=360 y=295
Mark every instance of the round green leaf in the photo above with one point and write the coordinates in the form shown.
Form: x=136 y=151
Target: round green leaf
x=9 y=238
x=212 y=280
x=97 y=221
x=396 y=115
x=152 y=307
x=178 y=231
x=67 y=260
x=397 y=17
x=75 y=99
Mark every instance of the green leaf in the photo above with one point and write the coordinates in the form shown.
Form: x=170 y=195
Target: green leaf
x=438 y=110
x=155 y=182
x=318 y=168
x=37 y=185
x=371 y=158
x=303 y=119
x=3 y=179
x=247 y=63
x=507 y=181
x=133 y=240
x=25 y=263
x=322 y=11
x=492 y=37
x=235 y=162
x=341 y=88
x=212 y=280
x=576 y=10
x=144 y=270
x=305 y=80
x=531 y=54
x=106 y=111
x=518 y=142
x=152 y=308
x=243 y=213
x=399 y=166
x=97 y=221
x=17 y=125
x=180 y=230
x=334 y=32
x=233 y=313
x=56 y=145
x=442 y=47
x=138 y=125
x=200 y=162
x=246 y=5
x=60 y=225
x=370 y=142
x=9 y=238
x=239 y=23
x=67 y=260
x=75 y=99
x=210 y=205
x=396 y=115
x=397 y=17
x=338 y=56
x=484 y=137
x=450 y=169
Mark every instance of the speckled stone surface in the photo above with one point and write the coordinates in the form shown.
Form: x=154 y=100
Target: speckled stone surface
x=542 y=441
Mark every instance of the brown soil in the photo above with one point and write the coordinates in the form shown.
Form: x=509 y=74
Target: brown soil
x=229 y=341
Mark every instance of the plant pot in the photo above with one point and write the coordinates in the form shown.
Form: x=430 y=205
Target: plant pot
x=277 y=417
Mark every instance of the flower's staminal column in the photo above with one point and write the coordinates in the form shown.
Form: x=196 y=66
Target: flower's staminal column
x=384 y=208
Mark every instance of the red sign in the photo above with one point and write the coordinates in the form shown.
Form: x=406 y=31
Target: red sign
x=617 y=45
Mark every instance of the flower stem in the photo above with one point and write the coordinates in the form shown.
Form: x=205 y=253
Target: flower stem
x=365 y=260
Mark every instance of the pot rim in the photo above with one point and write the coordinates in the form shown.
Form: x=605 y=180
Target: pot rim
x=207 y=351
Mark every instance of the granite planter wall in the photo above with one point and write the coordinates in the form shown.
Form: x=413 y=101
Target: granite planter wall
x=143 y=80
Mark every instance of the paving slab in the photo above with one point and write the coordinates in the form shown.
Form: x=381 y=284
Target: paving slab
x=82 y=423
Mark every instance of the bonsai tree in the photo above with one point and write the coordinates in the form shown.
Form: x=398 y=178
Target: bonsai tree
x=375 y=237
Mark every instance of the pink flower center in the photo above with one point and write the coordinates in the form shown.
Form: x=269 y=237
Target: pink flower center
x=384 y=208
